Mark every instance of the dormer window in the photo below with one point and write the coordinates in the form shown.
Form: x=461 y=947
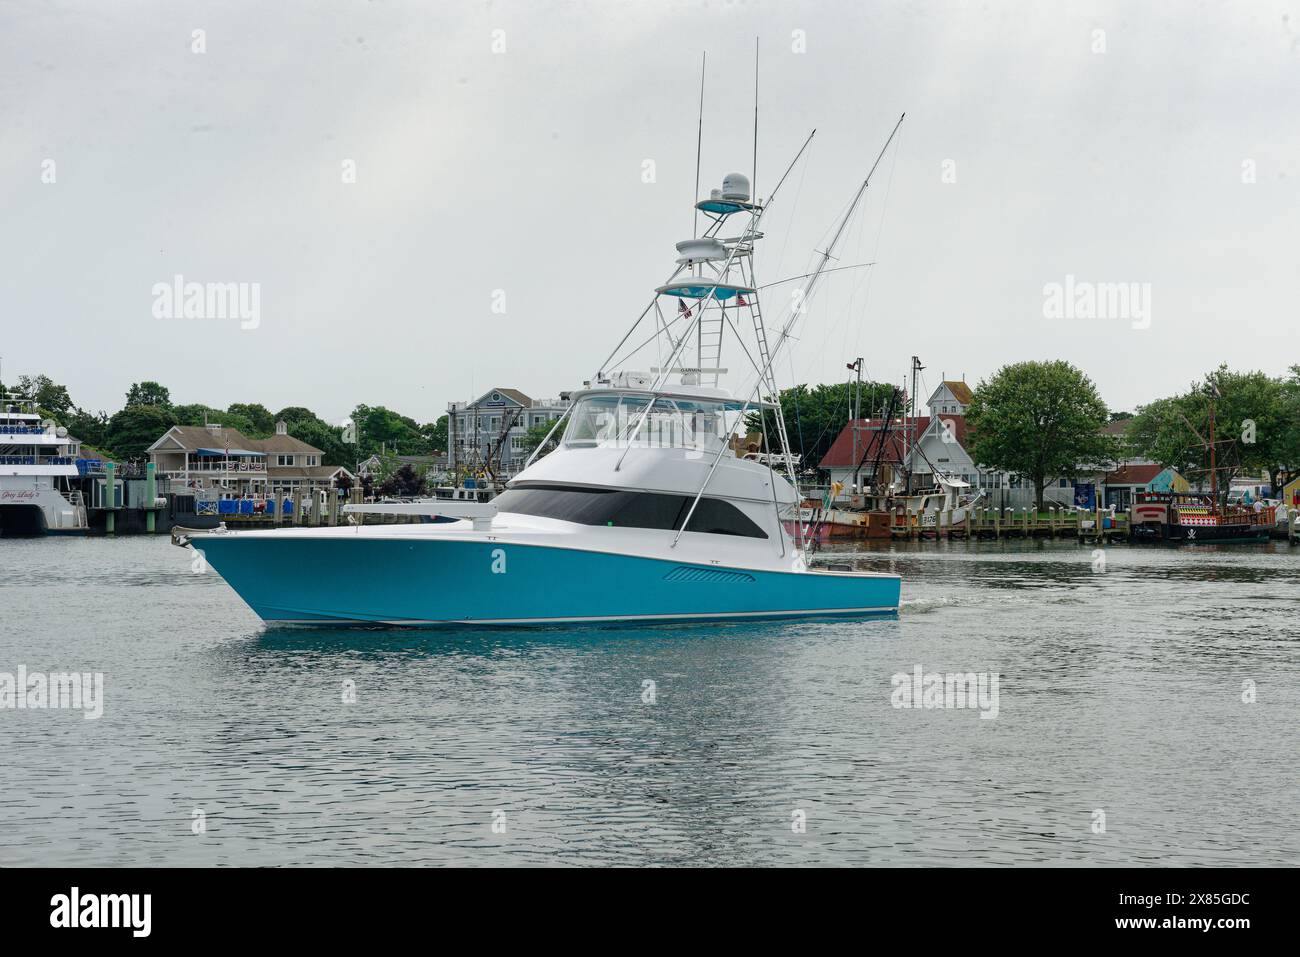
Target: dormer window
x=284 y=460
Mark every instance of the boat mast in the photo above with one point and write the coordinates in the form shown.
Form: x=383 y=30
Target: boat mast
x=1214 y=472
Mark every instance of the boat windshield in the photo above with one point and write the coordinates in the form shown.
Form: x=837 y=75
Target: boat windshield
x=672 y=422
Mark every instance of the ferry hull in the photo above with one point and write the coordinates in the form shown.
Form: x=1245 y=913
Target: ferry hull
x=424 y=582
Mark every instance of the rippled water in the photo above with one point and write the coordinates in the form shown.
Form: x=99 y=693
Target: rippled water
x=1120 y=691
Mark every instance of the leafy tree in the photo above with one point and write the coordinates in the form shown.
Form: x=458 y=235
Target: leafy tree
x=258 y=416
x=383 y=429
x=435 y=433
x=90 y=427
x=536 y=435
x=815 y=417
x=405 y=481
x=295 y=413
x=1253 y=430
x=50 y=397
x=148 y=393
x=1039 y=420
x=303 y=423
x=132 y=430
x=200 y=414
x=328 y=438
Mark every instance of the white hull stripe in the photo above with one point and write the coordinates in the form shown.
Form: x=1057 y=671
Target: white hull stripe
x=704 y=616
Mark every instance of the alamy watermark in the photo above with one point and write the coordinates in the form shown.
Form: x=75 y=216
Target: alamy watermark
x=968 y=689
x=1079 y=299
x=64 y=690
x=179 y=299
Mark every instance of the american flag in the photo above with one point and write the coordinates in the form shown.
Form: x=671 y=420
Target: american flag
x=740 y=300
x=681 y=307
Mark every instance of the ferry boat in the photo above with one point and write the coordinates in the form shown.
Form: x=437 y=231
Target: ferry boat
x=38 y=470
x=641 y=513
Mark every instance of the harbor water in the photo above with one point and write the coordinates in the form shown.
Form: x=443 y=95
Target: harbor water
x=1146 y=705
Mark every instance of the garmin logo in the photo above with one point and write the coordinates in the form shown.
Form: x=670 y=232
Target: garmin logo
x=102 y=910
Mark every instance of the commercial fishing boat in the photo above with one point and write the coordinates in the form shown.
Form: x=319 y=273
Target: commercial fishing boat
x=641 y=513
x=38 y=469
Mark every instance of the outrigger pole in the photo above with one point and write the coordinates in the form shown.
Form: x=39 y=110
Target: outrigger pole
x=699 y=145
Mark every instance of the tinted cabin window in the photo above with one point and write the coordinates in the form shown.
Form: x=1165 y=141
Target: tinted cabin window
x=626 y=509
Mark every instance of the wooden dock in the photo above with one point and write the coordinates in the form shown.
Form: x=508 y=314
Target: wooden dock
x=995 y=524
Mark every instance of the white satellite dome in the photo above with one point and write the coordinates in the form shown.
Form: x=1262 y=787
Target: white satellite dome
x=736 y=186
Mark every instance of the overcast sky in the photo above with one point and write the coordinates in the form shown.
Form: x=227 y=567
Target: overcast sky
x=522 y=171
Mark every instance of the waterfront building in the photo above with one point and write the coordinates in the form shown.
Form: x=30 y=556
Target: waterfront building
x=489 y=434
x=216 y=462
x=1121 y=486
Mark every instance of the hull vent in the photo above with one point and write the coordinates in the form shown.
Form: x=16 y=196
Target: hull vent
x=684 y=573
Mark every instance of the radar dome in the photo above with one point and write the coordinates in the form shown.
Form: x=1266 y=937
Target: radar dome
x=736 y=186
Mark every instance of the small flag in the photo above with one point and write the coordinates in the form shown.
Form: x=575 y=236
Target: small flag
x=681 y=308
x=740 y=300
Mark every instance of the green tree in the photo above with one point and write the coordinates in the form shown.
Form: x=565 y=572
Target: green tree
x=536 y=435
x=383 y=429
x=1254 y=430
x=199 y=414
x=328 y=438
x=90 y=427
x=51 y=398
x=1039 y=420
x=258 y=416
x=435 y=434
x=148 y=393
x=815 y=417
x=295 y=413
x=132 y=430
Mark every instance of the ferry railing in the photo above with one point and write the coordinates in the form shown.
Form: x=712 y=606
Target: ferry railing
x=37 y=460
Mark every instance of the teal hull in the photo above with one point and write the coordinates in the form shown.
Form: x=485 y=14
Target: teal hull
x=413 y=581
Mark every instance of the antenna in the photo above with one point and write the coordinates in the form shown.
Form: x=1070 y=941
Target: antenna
x=699 y=142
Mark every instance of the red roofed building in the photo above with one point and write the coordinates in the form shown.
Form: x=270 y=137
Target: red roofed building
x=933 y=443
